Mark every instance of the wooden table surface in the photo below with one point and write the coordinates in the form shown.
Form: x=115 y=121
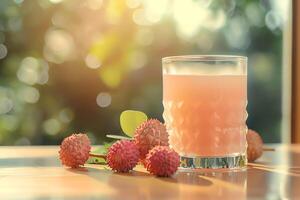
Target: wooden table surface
x=36 y=173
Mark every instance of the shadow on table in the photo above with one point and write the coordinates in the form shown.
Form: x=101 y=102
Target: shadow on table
x=190 y=185
x=188 y=178
x=179 y=177
x=135 y=184
x=271 y=179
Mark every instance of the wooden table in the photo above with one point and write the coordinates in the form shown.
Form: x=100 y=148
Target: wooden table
x=36 y=173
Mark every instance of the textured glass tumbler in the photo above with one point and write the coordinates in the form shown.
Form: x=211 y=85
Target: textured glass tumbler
x=205 y=99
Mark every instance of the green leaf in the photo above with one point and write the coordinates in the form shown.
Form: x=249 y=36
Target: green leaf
x=95 y=160
x=101 y=150
x=130 y=120
x=119 y=137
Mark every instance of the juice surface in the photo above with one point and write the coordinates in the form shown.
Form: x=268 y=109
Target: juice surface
x=206 y=114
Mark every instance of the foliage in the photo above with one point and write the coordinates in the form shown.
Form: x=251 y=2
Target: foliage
x=102 y=150
x=73 y=65
x=130 y=120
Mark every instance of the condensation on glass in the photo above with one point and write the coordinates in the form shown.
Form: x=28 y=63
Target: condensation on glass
x=205 y=99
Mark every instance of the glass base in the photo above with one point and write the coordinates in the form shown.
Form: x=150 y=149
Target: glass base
x=229 y=162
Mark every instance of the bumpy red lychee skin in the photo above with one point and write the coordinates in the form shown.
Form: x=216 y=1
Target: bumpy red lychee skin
x=162 y=161
x=150 y=134
x=74 y=150
x=123 y=156
x=255 y=145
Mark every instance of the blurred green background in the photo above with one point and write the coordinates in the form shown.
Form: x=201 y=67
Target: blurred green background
x=72 y=65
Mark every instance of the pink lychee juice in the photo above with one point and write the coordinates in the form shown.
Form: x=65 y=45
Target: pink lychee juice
x=206 y=114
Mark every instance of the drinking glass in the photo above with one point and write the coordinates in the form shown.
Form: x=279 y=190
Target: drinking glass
x=205 y=99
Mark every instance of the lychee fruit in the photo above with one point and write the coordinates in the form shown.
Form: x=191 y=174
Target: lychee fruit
x=150 y=134
x=162 y=161
x=74 y=150
x=123 y=156
x=255 y=145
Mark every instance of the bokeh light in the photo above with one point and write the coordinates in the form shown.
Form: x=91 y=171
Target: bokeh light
x=154 y=10
x=59 y=46
x=32 y=71
x=66 y=115
x=6 y=102
x=67 y=64
x=111 y=77
x=6 y=105
x=55 y=1
x=189 y=16
x=103 y=99
x=29 y=94
x=133 y=3
x=92 y=61
x=255 y=14
x=52 y=126
x=139 y=60
x=18 y=1
x=3 y=51
x=237 y=34
x=94 y=4
x=10 y=121
x=139 y=17
x=15 y=24
x=273 y=20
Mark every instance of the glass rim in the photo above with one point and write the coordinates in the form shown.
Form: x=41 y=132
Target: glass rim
x=204 y=58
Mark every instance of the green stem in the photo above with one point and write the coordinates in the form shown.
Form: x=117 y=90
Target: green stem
x=98 y=156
